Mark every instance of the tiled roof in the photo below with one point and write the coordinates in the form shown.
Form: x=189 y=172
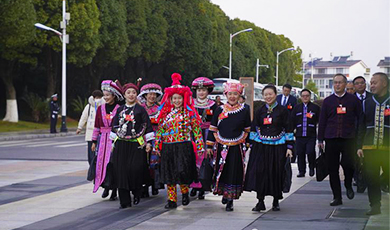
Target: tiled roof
x=339 y=61
x=385 y=62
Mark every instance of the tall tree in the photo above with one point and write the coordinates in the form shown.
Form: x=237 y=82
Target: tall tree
x=17 y=32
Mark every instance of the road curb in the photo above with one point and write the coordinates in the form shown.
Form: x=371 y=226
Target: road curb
x=13 y=137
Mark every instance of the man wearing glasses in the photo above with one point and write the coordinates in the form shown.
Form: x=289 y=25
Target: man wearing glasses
x=339 y=117
x=304 y=119
x=360 y=89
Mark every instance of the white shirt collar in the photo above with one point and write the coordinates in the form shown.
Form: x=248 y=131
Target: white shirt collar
x=363 y=94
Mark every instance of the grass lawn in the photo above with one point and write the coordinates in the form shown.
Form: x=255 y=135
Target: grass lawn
x=28 y=126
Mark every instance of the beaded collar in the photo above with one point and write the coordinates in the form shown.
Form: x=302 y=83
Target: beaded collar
x=203 y=104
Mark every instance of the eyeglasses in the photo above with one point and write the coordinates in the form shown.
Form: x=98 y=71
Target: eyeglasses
x=359 y=83
x=307 y=95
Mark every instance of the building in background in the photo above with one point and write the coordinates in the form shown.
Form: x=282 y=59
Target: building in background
x=323 y=72
x=384 y=66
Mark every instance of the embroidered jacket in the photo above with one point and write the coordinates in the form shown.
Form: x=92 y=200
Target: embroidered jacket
x=375 y=131
x=230 y=125
x=271 y=126
x=153 y=113
x=132 y=122
x=206 y=111
x=177 y=127
x=305 y=119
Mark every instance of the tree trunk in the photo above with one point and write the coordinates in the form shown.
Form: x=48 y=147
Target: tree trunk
x=11 y=114
x=50 y=72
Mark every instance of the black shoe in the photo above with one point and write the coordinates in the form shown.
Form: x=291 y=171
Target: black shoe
x=201 y=195
x=350 y=193
x=106 y=192
x=145 y=192
x=113 y=196
x=336 y=202
x=275 y=205
x=301 y=175
x=137 y=199
x=385 y=188
x=260 y=206
x=154 y=192
x=229 y=206
x=123 y=206
x=375 y=210
x=193 y=192
x=311 y=172
x=224 y=200
x=185 y=200
x=360 y=189
x=171 y=205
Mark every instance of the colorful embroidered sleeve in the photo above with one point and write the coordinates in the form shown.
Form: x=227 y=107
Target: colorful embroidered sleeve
x=197 y=131
x=159 y=133
x=213 y=128
x=96 y=130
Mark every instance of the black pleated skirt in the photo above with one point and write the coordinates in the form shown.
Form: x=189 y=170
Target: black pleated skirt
x=265 y=172
x=178 y=163
x=129 y=164
x=230 y=184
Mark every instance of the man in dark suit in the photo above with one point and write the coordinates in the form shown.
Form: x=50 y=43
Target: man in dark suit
x=286 y=99
x=304 y=119
x=340 y=114
x=360 y=89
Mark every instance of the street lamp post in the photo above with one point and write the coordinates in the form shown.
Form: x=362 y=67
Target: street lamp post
x=231 y=46
x=277 y=62
x=65 y=40
x=257 y=69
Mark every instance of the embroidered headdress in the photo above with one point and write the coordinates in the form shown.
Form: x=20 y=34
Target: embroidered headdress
x=113 y=87
x=150 y=88
x=233 y=87
x=203 y=82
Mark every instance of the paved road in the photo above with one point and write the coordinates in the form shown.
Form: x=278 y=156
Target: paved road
x=43 y=186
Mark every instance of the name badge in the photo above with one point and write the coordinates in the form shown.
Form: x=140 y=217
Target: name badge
x=341 y=110
x=309 y=115
x=289 y=107
x=267 y=121
x=223 y=116
x=209 y=112
x=387 y=112
x=108 y=117
x=153 y=120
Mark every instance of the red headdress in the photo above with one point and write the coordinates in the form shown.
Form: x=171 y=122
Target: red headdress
x=176 y=88
x=133 y=86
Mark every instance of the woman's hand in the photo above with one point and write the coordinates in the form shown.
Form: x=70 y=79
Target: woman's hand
x=158 y=153
x=148 y=148
x=289 y=153
x=78 y=131
x=93 y=147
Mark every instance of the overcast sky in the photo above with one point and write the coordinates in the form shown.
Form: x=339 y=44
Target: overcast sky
x=322 y=27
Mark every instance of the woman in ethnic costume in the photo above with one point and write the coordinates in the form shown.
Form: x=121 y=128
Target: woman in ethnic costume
x=112 y=94
x=205 y=108
x=149 y=96
x=133 y=134
x=226 y=140
x=178 y=119
x=272 y=138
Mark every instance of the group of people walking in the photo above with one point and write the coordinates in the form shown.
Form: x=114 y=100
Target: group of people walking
x=148 y=137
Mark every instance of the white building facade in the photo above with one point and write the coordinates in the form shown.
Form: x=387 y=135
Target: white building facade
x=323 y=72
x=384 y=66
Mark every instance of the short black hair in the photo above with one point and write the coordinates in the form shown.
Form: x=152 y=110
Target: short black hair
x=288 y=86
x=305 y=90
x=359 y=77
x=383 y=76
x=97 y=93
x=269 y=86
x=340 y=74
x=243 y=97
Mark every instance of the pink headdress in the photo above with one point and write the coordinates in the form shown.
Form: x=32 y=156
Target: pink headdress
x=112 y=87
x=233 y=87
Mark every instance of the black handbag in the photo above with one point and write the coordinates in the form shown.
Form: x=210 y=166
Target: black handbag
x=361 y=179
x=92 y=170
x=321 y=167
x=206 y=172
x=287 y=176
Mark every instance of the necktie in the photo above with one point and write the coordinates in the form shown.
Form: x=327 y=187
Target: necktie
x=284 y=100
x=361 y=97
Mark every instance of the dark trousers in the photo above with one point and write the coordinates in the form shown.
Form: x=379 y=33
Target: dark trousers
x=53 y=123
x=124 y=196
x=373 y=160
x=333 y=149
x=305 y=146
x=91 y=154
